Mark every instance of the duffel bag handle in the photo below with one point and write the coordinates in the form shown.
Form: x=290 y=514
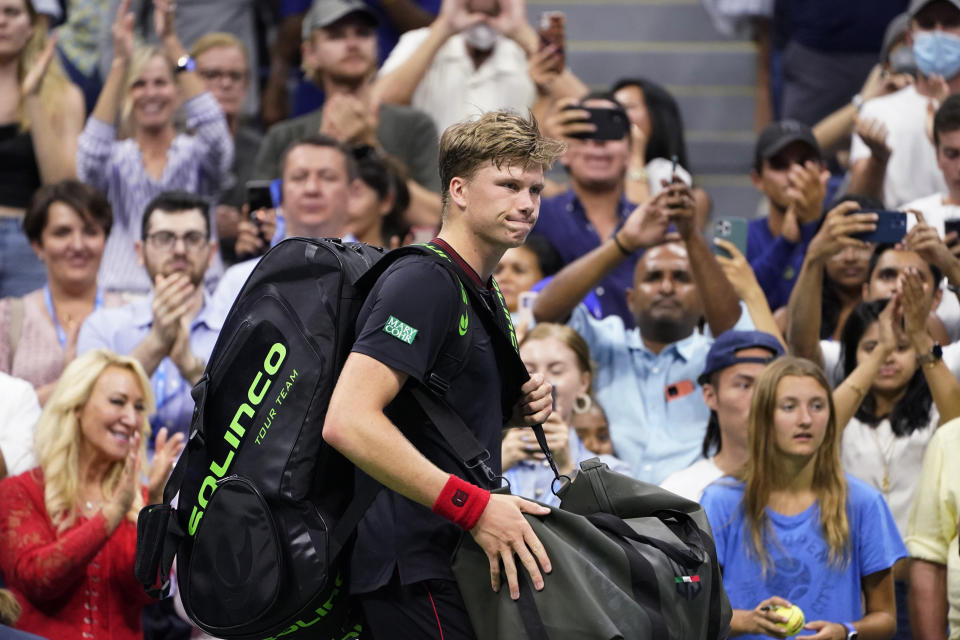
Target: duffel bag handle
x=611 y=524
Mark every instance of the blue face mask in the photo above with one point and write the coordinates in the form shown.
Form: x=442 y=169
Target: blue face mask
x=937 y=53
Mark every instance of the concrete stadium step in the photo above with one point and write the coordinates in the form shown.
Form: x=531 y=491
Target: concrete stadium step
x=630 y=20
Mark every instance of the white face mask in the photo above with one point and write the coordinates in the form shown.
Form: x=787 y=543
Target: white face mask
x=481 y=36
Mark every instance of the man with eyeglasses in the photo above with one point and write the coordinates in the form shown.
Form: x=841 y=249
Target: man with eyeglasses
x=907 y=168
x=172 y=332
x=223 y=63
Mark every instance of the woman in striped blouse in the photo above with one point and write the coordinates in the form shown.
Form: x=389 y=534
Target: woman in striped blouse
x=149 y=84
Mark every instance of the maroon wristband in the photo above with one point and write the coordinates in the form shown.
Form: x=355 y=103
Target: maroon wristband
x=461 y=502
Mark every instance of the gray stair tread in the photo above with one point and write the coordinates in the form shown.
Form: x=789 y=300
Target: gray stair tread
x=632 y=21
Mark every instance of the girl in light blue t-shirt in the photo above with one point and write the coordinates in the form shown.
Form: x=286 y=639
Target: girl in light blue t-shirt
x=791 y=528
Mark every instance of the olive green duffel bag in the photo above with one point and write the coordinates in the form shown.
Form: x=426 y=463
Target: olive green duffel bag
x=630 y=560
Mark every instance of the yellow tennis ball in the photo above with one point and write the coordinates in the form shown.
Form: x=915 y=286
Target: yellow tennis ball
x=795 y=619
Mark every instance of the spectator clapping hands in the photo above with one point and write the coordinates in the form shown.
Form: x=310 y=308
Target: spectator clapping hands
x=122 y=32
x=349 y=119
x=33 y=79
x=924 y=239
x=511 y=21
x=456 y=16
x=874 y=134
x=915 y=309
x=167 y=449
x=806 y=192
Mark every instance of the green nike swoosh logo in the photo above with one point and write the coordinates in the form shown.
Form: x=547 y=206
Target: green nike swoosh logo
x=464 y=322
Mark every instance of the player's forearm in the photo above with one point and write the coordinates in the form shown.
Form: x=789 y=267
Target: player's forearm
x=375 y=445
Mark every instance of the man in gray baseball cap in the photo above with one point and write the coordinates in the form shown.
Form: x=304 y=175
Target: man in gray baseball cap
x=324 y=13
x=339 y=52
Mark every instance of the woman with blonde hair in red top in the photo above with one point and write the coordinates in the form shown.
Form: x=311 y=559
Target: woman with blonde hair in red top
x=68 y=527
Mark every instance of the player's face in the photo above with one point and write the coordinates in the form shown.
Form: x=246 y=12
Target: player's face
x=501 y=205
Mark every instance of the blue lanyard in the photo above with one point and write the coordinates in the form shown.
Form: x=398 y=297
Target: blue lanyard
x=160 y=386
x=61 y=334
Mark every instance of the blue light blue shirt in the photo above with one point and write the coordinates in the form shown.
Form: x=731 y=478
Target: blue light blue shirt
x=652 y=434
x=534 y=479
x=121 y=329
x=799 y=568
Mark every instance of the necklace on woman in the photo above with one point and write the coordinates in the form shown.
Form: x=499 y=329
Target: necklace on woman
x=886 y=454
x=90 y=506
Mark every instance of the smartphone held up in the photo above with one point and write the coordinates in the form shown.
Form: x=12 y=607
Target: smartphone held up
x=552 y=32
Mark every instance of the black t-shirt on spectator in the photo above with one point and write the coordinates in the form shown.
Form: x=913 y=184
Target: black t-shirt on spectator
x=418 y=294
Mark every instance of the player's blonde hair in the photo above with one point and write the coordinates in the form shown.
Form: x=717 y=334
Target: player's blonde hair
x=498 y=137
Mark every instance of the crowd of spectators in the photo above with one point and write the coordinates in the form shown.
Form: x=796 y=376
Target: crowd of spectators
x=802 y=382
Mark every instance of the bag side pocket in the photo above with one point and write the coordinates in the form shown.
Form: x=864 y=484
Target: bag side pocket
x=236 y=567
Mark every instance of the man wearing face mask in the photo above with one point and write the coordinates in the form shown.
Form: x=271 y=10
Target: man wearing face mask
x=910 y=171
x=471 y=59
